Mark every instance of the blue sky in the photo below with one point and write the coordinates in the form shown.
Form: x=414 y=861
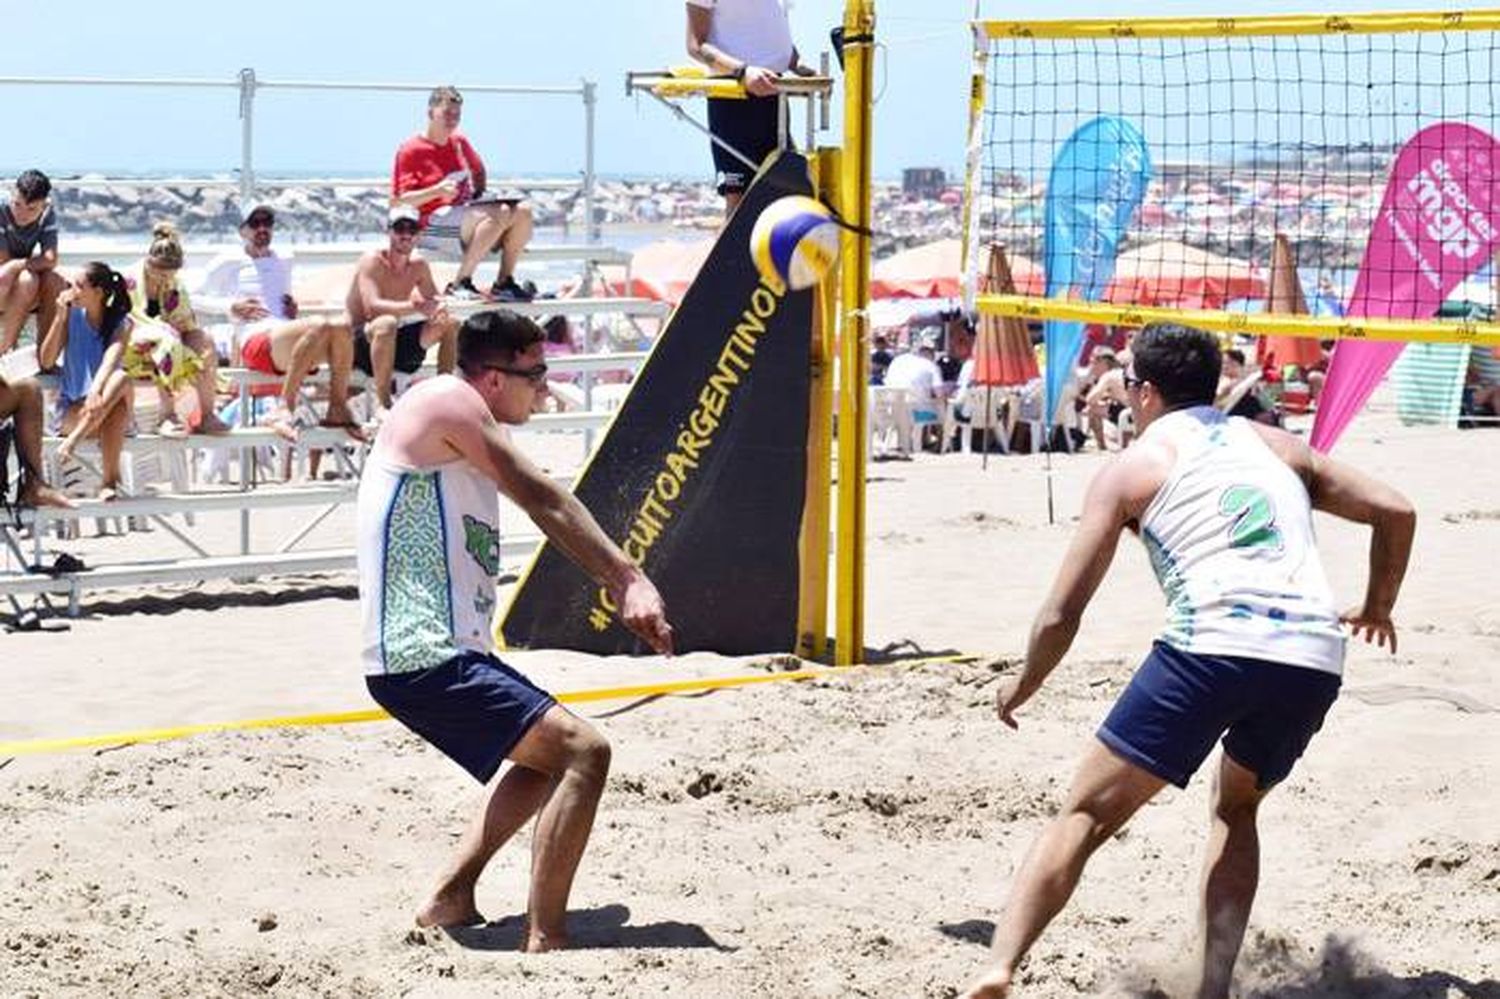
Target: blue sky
x=922 y=76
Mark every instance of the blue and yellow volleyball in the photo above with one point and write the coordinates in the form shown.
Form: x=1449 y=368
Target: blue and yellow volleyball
x=795 y=243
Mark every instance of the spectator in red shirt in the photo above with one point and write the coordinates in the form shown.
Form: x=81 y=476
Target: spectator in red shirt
x=439 y=173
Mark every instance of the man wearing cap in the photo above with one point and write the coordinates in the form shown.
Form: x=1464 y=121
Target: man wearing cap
x=438 y=173
x=253 y=286
x=750 y=40
x=394 y=309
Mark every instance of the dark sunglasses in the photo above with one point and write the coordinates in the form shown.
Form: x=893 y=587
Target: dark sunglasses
x=405 y=228
x=1131 y=381
x=260 y=223
x=535 y=375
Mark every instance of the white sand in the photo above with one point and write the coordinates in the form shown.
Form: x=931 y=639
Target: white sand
x=857 y=836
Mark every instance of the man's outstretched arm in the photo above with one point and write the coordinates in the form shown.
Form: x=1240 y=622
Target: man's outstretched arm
x=1083 y=568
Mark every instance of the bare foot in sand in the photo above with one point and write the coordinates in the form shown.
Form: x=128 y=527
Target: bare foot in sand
x=35 y=494
x=993 y=985
x=446 y=912
x=538 y=942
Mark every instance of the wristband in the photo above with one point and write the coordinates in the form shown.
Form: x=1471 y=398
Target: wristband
x=739 y=72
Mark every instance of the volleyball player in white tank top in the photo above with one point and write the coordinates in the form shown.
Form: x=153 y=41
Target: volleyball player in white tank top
x=1252 y=650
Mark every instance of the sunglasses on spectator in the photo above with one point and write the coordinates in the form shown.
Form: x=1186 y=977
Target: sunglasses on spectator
x=1131 y=381
x=405 y=228
x=535 y=375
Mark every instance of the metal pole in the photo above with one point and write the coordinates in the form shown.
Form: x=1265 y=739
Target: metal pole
x=590 y=103
x=247 y=137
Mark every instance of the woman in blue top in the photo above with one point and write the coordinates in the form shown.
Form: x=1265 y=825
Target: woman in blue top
x=90 y=334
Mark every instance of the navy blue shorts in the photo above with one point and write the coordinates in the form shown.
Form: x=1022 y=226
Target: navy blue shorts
x=473 y=707
x=1179 y=703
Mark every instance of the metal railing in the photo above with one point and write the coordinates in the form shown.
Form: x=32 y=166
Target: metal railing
x=249 y=85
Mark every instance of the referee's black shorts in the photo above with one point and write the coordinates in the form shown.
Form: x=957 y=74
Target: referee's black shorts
x=749 y=125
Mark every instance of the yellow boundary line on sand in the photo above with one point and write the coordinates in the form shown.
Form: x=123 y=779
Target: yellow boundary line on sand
x=35 y=747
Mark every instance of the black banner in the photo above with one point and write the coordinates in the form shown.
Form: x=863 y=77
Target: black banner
x=700 y=478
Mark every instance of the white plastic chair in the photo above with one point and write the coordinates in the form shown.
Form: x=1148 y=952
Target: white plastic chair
x=891 y=425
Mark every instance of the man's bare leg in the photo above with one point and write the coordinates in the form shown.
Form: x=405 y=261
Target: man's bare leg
x=1106 y=792
x=381 y=332
x=480 y=233
x=1231 y=870
x=561 y=766
x=52 y=285
x=22 y=400
x=516 y=797
x=340 y=362
x=444 y=333
x=517 y=234
x=22 y=299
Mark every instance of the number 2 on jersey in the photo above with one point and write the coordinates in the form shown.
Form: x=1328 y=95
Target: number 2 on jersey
x=1254 y=523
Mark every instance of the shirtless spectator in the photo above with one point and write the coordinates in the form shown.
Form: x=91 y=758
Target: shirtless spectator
x=438 y=173
x=1106 y=398
x=395 y=312
x=21 y=400
x=29 y=281
x=253 y=285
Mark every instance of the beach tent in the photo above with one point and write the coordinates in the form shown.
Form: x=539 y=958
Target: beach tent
x=1177 y=275
x=933 y=270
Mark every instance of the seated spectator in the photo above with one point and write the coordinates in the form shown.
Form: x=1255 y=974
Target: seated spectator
x=917 y=372
x=168 y=347
x=253 y=285
x=90 y=335
x=1106 y=398
x=29 y=281
x=559 y=342
x=395 y=312
x=880 y=359
x=438 y=173
x=1232 y=372
x=21 y=401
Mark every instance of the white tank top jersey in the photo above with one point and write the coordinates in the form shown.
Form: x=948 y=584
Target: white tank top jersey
x=1230 y=536
x=428 y=551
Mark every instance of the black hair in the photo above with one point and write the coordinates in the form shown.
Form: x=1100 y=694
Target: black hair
x=556 y=330
x=1181 y=361
x=496 y=337
x=116 y=296
x=33 y=186
x=1235 y=354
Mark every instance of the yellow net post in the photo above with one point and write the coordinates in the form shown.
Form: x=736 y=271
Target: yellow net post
x=854 y=270
x=813 y=546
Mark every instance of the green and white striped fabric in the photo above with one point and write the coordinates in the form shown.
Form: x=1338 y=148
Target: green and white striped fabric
x=1429 y=380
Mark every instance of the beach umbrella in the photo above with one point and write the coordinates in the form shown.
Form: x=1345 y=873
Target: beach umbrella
x=1176 y=275
x=1286 y=298
x=934 y=270
x=1002 y=346
x=1002 y=349
x=661 y=271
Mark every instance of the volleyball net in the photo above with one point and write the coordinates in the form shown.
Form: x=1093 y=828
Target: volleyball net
x=1314 y=177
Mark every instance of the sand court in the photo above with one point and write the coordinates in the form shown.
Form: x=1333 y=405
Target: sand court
x=845 y=836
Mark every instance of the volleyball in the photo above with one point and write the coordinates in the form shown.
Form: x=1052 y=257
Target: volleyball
x=795 y=243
